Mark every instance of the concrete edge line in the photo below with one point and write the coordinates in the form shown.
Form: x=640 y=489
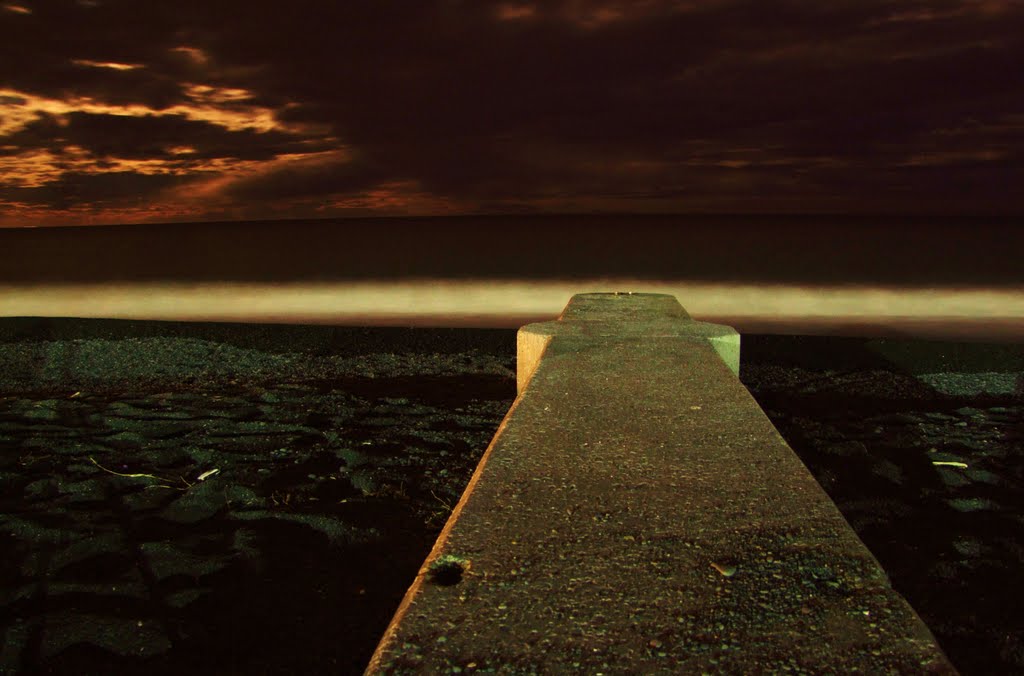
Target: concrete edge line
x=438 y=548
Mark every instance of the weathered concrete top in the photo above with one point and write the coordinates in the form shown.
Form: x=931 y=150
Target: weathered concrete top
x=638 y=513
x=609 y=316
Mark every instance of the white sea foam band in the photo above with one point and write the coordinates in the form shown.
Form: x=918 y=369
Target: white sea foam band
x=970 y=313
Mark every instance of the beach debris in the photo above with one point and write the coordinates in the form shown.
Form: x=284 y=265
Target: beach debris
x=949 y=463
x=139 y=475
x=724 y=569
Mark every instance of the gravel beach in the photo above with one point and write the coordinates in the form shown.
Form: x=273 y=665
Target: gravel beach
x=224 y=498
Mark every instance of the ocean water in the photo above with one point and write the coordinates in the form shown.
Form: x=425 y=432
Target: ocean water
x=952 y=278
x=812 y=249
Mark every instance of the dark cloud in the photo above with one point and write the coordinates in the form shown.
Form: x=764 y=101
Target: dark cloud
x=869 y=104
x=75 y=189
x=450 y=99
x=156 y=137
x=325 y=178
x=38 y=52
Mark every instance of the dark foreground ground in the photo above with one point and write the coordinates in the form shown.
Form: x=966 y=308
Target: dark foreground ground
x=203 y=498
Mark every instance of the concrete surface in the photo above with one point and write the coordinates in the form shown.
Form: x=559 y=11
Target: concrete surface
x=596 y=315
x=636 y=512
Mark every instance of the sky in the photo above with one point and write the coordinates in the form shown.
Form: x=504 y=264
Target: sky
x=121 y=111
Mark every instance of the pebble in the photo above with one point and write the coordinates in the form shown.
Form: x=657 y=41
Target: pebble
x=91 y=475
x=940 y=531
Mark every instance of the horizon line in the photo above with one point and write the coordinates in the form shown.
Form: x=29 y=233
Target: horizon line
x=937 y=215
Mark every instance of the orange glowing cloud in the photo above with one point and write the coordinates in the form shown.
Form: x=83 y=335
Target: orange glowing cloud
x=35 y=167
x=44 y=165
x=193 y=54
x=206 y=94
x=17 y=109
x=105 y=64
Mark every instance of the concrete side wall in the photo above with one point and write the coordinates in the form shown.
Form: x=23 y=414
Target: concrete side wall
x=638 y=513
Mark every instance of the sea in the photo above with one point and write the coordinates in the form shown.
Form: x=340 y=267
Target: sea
x=819 y=274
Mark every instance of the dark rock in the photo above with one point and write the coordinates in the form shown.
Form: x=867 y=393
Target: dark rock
x=124 y=636
x=167 y=560
x=42 y=489
x=198 y=503
x=88 y=490
x=972 y=504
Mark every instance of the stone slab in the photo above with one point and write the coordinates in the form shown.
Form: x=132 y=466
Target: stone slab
x=637 y=512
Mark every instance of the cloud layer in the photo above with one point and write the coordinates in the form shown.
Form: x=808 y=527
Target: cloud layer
x=114 y=110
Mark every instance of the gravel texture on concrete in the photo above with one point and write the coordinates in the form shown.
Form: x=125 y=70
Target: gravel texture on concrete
x=254 y=498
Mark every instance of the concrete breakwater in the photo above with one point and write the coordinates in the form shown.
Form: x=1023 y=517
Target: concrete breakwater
x=637 y=512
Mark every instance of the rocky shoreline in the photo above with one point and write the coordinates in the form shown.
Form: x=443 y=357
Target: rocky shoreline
x=226 y=498
x=923 y=452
